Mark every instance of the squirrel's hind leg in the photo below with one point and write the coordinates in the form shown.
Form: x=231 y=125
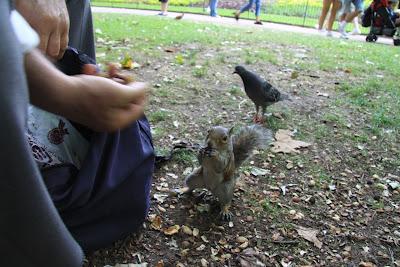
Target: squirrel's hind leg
x=192 y=181
x=224 y=192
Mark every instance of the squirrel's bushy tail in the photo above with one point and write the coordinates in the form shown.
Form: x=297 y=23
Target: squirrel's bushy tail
x=247 y=139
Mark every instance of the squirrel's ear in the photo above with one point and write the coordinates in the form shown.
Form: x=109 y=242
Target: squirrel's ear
x=230 y=132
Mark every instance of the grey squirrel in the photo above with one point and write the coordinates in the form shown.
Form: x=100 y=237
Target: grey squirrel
x=221 y=156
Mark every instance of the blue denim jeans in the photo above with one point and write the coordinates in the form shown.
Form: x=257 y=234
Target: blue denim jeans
x=213 y=8
x=250 y=4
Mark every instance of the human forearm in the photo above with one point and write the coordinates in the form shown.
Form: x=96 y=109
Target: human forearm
x=49 y=88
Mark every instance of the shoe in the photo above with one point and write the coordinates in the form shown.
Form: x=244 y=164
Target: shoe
x=321 y=31
x=258 y=23
x=329 y=34
x=344 y=35
x=342 y=25
x=236 y=16
x=356 y=31
x=216 y=16
x=163 y=14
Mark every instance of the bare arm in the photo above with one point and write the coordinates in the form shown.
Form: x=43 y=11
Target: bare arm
x=99 y=103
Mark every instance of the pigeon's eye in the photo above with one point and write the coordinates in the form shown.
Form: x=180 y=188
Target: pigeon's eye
x=225 y=138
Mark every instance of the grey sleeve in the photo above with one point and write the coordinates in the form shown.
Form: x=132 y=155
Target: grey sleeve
x=31 y=231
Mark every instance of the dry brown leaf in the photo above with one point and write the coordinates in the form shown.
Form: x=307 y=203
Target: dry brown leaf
x=156 y=222
x=309 y=234
x=172 y=230
x=366 y=264
x=285 y=144
x=170 y=49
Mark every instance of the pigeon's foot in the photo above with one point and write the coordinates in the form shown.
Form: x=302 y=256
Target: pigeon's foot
x=255 y=119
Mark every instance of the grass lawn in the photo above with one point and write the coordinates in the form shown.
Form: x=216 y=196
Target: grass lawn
x=346 y=102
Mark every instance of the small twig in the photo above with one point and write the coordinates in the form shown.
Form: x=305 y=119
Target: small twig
x=286 y=242
x=313 y=76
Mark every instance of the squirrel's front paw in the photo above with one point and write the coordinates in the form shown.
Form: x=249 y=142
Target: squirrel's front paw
x=210 y=152
x=225 y=214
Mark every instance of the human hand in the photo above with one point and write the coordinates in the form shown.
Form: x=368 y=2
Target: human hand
x=51 y=21
x=105 y=105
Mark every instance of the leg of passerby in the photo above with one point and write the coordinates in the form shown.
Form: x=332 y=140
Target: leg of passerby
x=326 y=4
x=244 y=8
x=356 y=29
x=336 y=5
x=358 y=4
x=258 y=11
x=164 y=8
x=213 y=8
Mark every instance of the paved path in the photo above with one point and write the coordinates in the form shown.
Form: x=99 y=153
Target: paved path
x=232 y=21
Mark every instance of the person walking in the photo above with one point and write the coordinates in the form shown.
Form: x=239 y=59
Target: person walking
x=247 y=7
x=350 y=15
x=328 y=5
x=213 y=8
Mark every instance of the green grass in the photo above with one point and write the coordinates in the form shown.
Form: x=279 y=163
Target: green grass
x=158 y=116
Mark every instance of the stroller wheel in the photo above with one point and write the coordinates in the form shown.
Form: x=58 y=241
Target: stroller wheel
x=396 y=42
x=371 y=38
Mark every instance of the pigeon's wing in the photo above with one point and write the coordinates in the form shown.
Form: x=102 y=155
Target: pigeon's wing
x=270 y=93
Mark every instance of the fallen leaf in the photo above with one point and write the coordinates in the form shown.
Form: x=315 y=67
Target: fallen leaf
x=156 y=222
x=258 y=171
x=285 y=144
x=309 y=234
x=204 y=262
x=284 y=264
x=195 y=232
x=244 y=245
x=201 y=247
x=172 y=230
x=250 y=257
x=366 y=264
x=348 y=70
x=187 y=230
x=170 y=49
x=294 y=75
x=143 y=264
x=160 y=197
x=179 y=59
x=127 y=62
x=241 y=239
x=322 y=94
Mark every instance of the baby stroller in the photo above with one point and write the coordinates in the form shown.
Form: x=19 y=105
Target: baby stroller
x=381 y=18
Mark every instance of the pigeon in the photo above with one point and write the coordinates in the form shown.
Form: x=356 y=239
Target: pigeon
x=259 y=91
x=179 y=16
